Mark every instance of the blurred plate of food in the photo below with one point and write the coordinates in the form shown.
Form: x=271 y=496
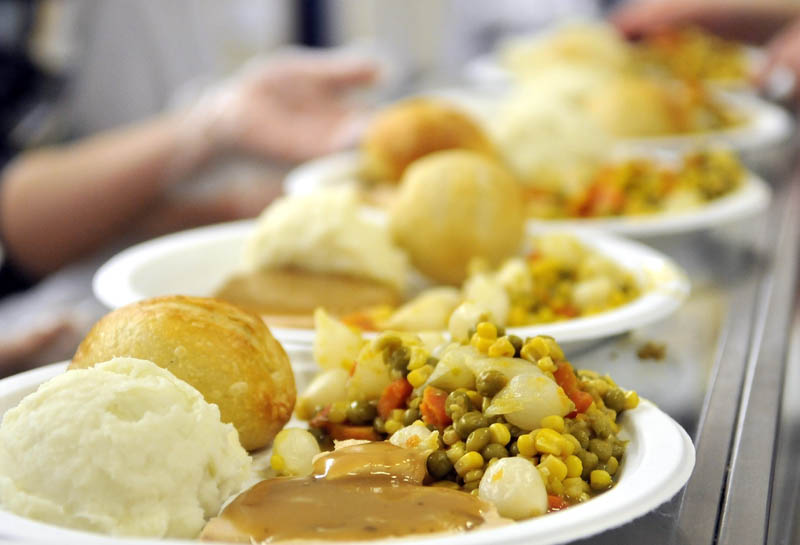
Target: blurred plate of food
x=689 y=53
x=314 y=251
x=634 y=194
x=641 y=458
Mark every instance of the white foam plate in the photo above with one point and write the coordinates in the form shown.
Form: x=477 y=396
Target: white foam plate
x=751 y=198
x=198 y=261
x=657 y=464
x=764 y=125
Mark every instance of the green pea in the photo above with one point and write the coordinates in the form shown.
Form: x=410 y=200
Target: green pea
x=489 y=382
x=457 y=404
x=614 y=399
x=617 y=448
x=589 y=461
x=410 y=416
x=361 y=412
x=478 y=439
x=469 y=422
x=438 y=464
x=379 y=424
x=513 y=449
x=601 y=448
x=516 y=342
x=397 y=358
x=494 y=450
x=582 y=436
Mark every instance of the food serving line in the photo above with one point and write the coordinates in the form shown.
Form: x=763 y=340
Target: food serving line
x=744 y=417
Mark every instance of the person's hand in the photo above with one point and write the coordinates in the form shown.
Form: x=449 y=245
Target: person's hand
x=747 y=21
x=291 y=109
x=638 y=19
x=781 y=72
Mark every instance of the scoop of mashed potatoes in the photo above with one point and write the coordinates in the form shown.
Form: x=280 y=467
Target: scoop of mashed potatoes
x=124 y=448
x=547 y=137
x=325 y=232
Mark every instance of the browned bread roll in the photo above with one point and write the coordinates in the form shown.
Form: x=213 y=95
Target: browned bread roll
x=228 y=354
x=410 y=129
x=455 y=206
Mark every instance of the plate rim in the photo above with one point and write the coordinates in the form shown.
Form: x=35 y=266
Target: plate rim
x=111 y=283
x=547 y=530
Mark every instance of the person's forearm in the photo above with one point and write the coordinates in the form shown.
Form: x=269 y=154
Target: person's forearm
x=748 y=21
x=60 y=203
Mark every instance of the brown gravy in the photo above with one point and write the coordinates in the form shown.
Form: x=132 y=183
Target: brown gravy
x=355 y=507
x=291 y=295
x=377 y=458
x=360 y=492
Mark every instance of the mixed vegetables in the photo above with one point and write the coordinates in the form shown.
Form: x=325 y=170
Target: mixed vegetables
x=505 y=418
x=641 y=186
x=558 y=279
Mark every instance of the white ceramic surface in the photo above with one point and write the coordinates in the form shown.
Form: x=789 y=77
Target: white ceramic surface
x=198 y=261
x=751 y=198
x=658 y=462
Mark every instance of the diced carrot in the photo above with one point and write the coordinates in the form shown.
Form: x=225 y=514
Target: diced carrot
x=432 y=407
x=394 y=396
x=567 y=310
x=340 y=432
x=581 y=399
x=565 y=377
x=320 y=420
x=361 y=320
x=556 y=503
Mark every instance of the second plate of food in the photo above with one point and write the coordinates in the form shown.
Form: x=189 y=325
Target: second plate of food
x=749 y=196
x=201 y=261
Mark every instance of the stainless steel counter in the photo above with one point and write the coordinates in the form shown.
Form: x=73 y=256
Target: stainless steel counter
x=730 y=377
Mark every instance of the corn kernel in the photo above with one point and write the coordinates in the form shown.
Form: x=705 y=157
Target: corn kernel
x=553 y=422
x=481 y=343
x=555 y=351
x=501 y=348
x=446 y=484
x=555 y=487
x=526 y=444
x=475 y=398
x=397 y=414
x=567 y=447
x=574 y=487
x=599 y=479
x=631 y=400
x=418 y=358
x=417 y=377
x=487 y=330
x=546 y=365
x=612 y=465
x=393 y=426
x=456 y=451
x=549 y=441
x=558 y=469
x=474 y=475
x=574 y=466
x=499 y=433
x=278 y=463
x=338 y=412
x=535 y=349
x=576 y=445
x=469 y=461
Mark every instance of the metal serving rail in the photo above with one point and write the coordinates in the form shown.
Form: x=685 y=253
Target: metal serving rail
x=730 y=377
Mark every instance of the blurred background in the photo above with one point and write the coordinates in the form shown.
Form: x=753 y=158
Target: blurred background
x=120 y=121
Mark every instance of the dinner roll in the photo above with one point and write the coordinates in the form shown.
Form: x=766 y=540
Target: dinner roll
x=454 y=206
x=225 y=352
x=413 y=128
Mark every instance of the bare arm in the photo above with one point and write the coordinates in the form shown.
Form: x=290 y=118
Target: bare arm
x=748 y=21
x=59 y=203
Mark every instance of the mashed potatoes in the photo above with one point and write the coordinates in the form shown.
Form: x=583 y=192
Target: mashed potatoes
x=123 y=448
x=325 y=232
